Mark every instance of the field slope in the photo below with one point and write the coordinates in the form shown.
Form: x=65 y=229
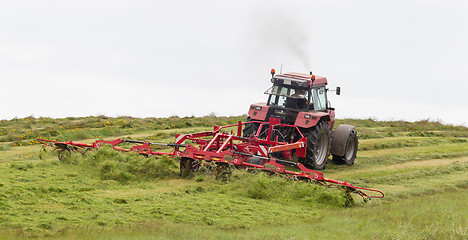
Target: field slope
x=421 y=166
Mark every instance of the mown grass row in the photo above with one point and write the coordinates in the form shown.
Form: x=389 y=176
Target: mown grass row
x=401 y=142
x=438 y=216
x=20 y=132
x=371 y=129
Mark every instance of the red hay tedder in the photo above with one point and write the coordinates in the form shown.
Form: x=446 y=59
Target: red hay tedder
x=293 y=130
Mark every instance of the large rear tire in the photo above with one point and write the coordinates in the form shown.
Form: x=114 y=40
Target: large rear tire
x=318 y=146
x=350 y=151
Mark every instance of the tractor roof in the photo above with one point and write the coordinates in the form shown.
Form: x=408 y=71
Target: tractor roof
x=301 y=78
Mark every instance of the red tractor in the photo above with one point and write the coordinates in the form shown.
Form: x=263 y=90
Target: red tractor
x=301 y=100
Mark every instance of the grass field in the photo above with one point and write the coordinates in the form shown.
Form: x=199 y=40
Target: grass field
x=421 y=166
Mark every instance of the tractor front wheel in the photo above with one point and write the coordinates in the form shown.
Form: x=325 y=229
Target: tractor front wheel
x=250 y=128
x=350 y=151
x=318 y=146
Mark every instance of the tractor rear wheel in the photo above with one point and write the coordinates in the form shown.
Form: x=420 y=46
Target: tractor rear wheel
x=318 y=146
x=350 y=151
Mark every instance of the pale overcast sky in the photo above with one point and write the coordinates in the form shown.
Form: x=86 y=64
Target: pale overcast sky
x=394 y=60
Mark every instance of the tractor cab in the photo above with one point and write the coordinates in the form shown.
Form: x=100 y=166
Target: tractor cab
x=293 y=93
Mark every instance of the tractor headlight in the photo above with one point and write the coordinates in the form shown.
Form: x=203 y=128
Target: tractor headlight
x=258 y=108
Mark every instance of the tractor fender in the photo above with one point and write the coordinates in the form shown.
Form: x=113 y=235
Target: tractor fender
x=339 y=139
x=310 y=119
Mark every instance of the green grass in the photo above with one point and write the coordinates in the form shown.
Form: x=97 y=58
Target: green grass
x=421 y=167
x=48 y=197
x=21 y=132
x=439 y=216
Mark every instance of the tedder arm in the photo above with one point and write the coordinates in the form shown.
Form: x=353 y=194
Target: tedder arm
x=224 y=149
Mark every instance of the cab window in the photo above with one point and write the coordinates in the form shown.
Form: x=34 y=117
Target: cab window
x=319 y=98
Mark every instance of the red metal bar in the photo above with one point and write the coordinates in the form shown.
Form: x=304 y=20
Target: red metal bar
x=211 y=142
x=225 y=143
x=281 y=148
